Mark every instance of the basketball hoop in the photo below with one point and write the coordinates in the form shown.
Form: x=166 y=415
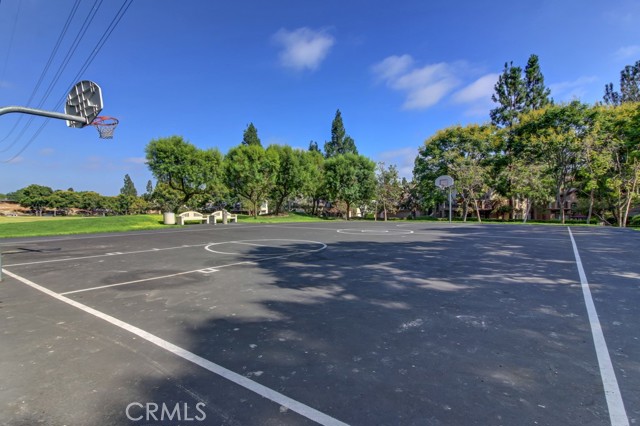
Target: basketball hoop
x=105 y=126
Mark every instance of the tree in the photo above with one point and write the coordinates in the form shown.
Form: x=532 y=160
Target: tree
x=62 y=200
x=250 y=136
x=250 y=172
x=620 y=128
x=340 y=142
x=517 y=93
x=165 y=198
x=313 y=146
x=90 y=200
x=510 y=94
x=388 y=189
x=289 y=177
x=35 y=197
x=629 y=87
x=129 y=189
x=350 y=178
x=184 y=168
x=555 y=134
x=314 y=184
x=536 y=93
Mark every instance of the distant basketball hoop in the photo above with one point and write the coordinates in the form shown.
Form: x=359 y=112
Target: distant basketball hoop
x=443 y=182
x=105 y=126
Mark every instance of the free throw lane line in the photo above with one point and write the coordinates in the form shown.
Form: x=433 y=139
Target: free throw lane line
x=617 y=412
x=265 y=392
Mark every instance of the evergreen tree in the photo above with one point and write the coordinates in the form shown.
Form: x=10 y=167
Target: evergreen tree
x=250 y=136
x=629 y=87
x=537 y=95
x=149 y=187
x=510 y=94
x=313 y=146
x=128 y=188
x=517 y=93
x=340 y=142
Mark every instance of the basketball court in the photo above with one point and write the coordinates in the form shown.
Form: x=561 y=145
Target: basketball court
x=331 y=323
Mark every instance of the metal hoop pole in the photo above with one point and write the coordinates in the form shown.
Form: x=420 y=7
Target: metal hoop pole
x=43 y=113
x=449 y=204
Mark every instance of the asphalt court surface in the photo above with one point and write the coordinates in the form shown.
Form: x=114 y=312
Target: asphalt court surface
x=333 y=323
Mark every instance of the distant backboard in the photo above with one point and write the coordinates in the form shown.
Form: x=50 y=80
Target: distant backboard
x=84 y=100
x=444 y=181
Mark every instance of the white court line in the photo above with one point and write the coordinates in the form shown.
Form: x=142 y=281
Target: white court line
x=201 y=270
x=117 y=253
x=617 y=412
x=130 y=282
x=268 y=393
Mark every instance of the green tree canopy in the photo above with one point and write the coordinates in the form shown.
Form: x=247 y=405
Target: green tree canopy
x=389 y=189
x=290 y=176
x=128 y=189
x=184 y=167
x=34 y=197
x=350 y=178
x=340 y=142
x=629 y=87
x=250 y=172
x=314 y=184
x=250 y=136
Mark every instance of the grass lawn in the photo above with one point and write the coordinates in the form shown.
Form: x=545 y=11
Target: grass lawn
x=32 y=226
x=291 y=217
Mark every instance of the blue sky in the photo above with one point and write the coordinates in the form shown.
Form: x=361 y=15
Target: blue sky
x=398 y=71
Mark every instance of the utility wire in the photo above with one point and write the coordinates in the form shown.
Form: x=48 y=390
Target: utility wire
x=74 y=45
x=105 y=36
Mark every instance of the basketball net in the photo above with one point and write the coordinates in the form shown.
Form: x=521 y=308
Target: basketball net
x=105 y=126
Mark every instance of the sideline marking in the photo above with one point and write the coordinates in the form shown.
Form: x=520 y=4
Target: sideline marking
x=115 y=253
x=617 y=412
x=268 y=393
x=201 y=270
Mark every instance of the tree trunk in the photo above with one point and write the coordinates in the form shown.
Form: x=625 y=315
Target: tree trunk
x=255 y=209
x=475 y=202
x=628 y=204
x=384 y=208
x=591 y=201
x=526 y=214
x=348 y=210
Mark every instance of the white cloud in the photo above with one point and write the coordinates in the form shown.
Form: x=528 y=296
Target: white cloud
x=570 y=90
x=392 y=67
x=303 y=48
x=479 y=90
x=628 y=52
x=403 y=158
x=477 y=96
x=135 y=160
x=423 y=86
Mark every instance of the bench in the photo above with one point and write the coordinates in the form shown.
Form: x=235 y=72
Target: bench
x=191 y=215
x=219 y=216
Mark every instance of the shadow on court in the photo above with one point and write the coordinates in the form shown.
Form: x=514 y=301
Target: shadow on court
x=464 y=330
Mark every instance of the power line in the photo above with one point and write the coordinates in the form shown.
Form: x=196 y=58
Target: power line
x=105 y=36
x=42 y=75
x=61 y=67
